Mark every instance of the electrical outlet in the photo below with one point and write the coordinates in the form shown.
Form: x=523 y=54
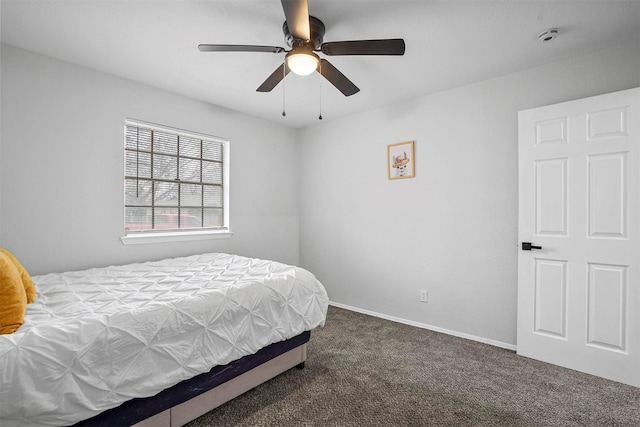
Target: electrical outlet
x=424 y=296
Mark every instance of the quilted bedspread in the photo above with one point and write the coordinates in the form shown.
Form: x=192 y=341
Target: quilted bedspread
x=96 y=338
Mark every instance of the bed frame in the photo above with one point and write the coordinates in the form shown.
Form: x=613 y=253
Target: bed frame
x=189 y=399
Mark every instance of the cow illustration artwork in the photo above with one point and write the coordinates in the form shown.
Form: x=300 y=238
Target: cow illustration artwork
x=400 y=163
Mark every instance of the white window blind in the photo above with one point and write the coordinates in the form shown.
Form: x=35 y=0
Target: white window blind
x=174 y=180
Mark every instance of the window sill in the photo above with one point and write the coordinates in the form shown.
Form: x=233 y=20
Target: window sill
x=169 y=237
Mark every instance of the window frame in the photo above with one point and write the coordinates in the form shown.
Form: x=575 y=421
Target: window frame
x=186 y=234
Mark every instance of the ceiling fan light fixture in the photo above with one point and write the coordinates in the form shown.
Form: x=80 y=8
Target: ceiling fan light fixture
x=302 y=63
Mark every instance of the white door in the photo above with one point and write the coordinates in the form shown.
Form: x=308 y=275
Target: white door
x=579 y=203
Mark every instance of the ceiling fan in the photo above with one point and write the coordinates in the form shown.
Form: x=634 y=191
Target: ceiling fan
x=304 y=35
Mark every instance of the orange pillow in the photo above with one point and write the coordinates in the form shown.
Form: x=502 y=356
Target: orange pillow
x=29 y=286
x=13 y=300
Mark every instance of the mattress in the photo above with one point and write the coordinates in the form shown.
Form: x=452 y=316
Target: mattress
x=141 y=409
x=94 y=339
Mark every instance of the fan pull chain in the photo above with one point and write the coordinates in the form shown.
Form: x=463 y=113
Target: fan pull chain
x=320 y=116
x=284 y=74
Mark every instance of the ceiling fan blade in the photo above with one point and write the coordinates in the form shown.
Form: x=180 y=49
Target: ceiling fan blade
x=275 y=78
x=296 y=13
x=364 y=47
x=336 y=78
x=238 y=48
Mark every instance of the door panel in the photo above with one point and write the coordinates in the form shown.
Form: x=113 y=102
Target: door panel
x=551 y=298
x=607 y=186
x=607 y=307
x=579 y=186
x=551 y=197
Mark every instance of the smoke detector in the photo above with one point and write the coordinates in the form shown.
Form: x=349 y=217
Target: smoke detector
x=548 y=35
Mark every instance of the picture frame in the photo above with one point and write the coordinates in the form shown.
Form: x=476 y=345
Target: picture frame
x=401 y=160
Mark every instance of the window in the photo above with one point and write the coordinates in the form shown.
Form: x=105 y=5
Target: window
x=175 y=183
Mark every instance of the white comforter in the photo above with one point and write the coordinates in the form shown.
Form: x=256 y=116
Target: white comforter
x=96 y=338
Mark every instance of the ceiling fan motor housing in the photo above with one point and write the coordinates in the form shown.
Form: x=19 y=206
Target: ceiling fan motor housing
x=316 y=28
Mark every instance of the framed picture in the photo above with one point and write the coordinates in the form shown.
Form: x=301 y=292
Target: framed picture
x=401 y=162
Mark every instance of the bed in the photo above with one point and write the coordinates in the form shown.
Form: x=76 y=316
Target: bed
x=155 y=343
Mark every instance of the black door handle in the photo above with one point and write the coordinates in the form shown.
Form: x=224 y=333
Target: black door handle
x=527 y=246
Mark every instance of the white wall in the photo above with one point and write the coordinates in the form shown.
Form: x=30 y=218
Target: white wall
x=451 y=230
x=374 y=243
x=62 y=166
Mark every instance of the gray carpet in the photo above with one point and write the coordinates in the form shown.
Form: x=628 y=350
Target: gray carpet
x=365 y=371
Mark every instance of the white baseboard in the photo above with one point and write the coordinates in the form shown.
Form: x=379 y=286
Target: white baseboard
x=425 y=326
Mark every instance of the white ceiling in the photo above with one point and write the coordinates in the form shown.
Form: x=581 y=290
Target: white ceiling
x=449 y=44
